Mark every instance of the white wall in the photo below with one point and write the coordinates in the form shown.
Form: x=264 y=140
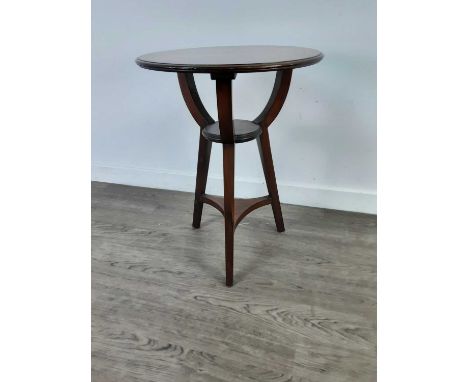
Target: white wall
x=324 y=139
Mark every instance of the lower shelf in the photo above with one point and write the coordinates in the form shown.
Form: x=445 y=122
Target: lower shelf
x=242 y=207
x=244 y=131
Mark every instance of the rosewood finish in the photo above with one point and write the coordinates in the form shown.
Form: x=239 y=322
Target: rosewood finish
x=230 y=59
x=223 y=63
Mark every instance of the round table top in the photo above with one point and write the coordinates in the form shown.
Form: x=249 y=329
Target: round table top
x=230 y=59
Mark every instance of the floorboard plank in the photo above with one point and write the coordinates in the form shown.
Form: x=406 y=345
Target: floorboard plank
x=303 y=306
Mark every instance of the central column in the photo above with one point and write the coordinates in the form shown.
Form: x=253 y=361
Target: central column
x=226 y=129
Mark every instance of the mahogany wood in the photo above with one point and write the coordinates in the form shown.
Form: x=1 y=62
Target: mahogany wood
x=229 y=211
x=242 y=207
x=226 y=127
x=204 y=153
x=203 y=118
x=223 y=63
x=224 y=101
x=246 y=206
x=192 y=99
x=244 y=131
x=230 y=59
x=265 y=119
x=264 y=149
x=277 y=98
x=215 y=201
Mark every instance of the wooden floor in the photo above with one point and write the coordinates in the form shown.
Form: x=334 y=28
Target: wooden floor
x=302 y=308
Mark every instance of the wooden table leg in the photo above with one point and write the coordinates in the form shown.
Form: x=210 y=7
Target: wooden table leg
x=265 y=119
x=204 y=153
x=228 y=172
x=226 y=128
x=201 y=116
x=264 y=149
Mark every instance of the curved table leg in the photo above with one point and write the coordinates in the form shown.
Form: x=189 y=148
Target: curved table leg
x=203 y=164
x=203 y=118
x=227 y=205
x=229 y=209
x=263 y=142
x=265 y=119
x=277 y=98
x=192 y=99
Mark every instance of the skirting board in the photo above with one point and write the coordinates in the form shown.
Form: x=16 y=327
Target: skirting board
x=299 y=194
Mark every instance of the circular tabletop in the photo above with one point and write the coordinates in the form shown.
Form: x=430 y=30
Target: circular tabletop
x=230 y=59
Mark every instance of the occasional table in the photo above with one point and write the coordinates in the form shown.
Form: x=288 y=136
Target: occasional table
x=223 y=64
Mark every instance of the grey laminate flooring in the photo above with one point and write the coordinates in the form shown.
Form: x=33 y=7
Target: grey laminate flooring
x=303 y=306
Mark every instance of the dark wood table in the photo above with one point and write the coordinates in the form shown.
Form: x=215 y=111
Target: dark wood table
x=223 y=64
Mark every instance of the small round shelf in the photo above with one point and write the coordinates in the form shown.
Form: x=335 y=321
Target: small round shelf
x=244 y=131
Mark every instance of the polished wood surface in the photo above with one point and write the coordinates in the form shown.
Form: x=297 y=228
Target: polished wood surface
x=266 y=157
x=229 y=131
x=303 y=307
x=242 y=207
x=203 y=164
x=223 y=64
x=203 y=118
x=233 y=59
x=192 y=99
x=276 y=100
x=226 y=127
x=244 y=131
x=265 y=119
x=229 y=210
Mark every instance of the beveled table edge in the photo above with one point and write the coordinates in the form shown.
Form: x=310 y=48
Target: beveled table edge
x=230 y=68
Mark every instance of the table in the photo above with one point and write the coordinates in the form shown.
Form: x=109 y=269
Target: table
x=223 y=63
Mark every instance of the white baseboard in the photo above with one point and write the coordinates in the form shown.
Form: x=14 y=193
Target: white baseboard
x=300 y=194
